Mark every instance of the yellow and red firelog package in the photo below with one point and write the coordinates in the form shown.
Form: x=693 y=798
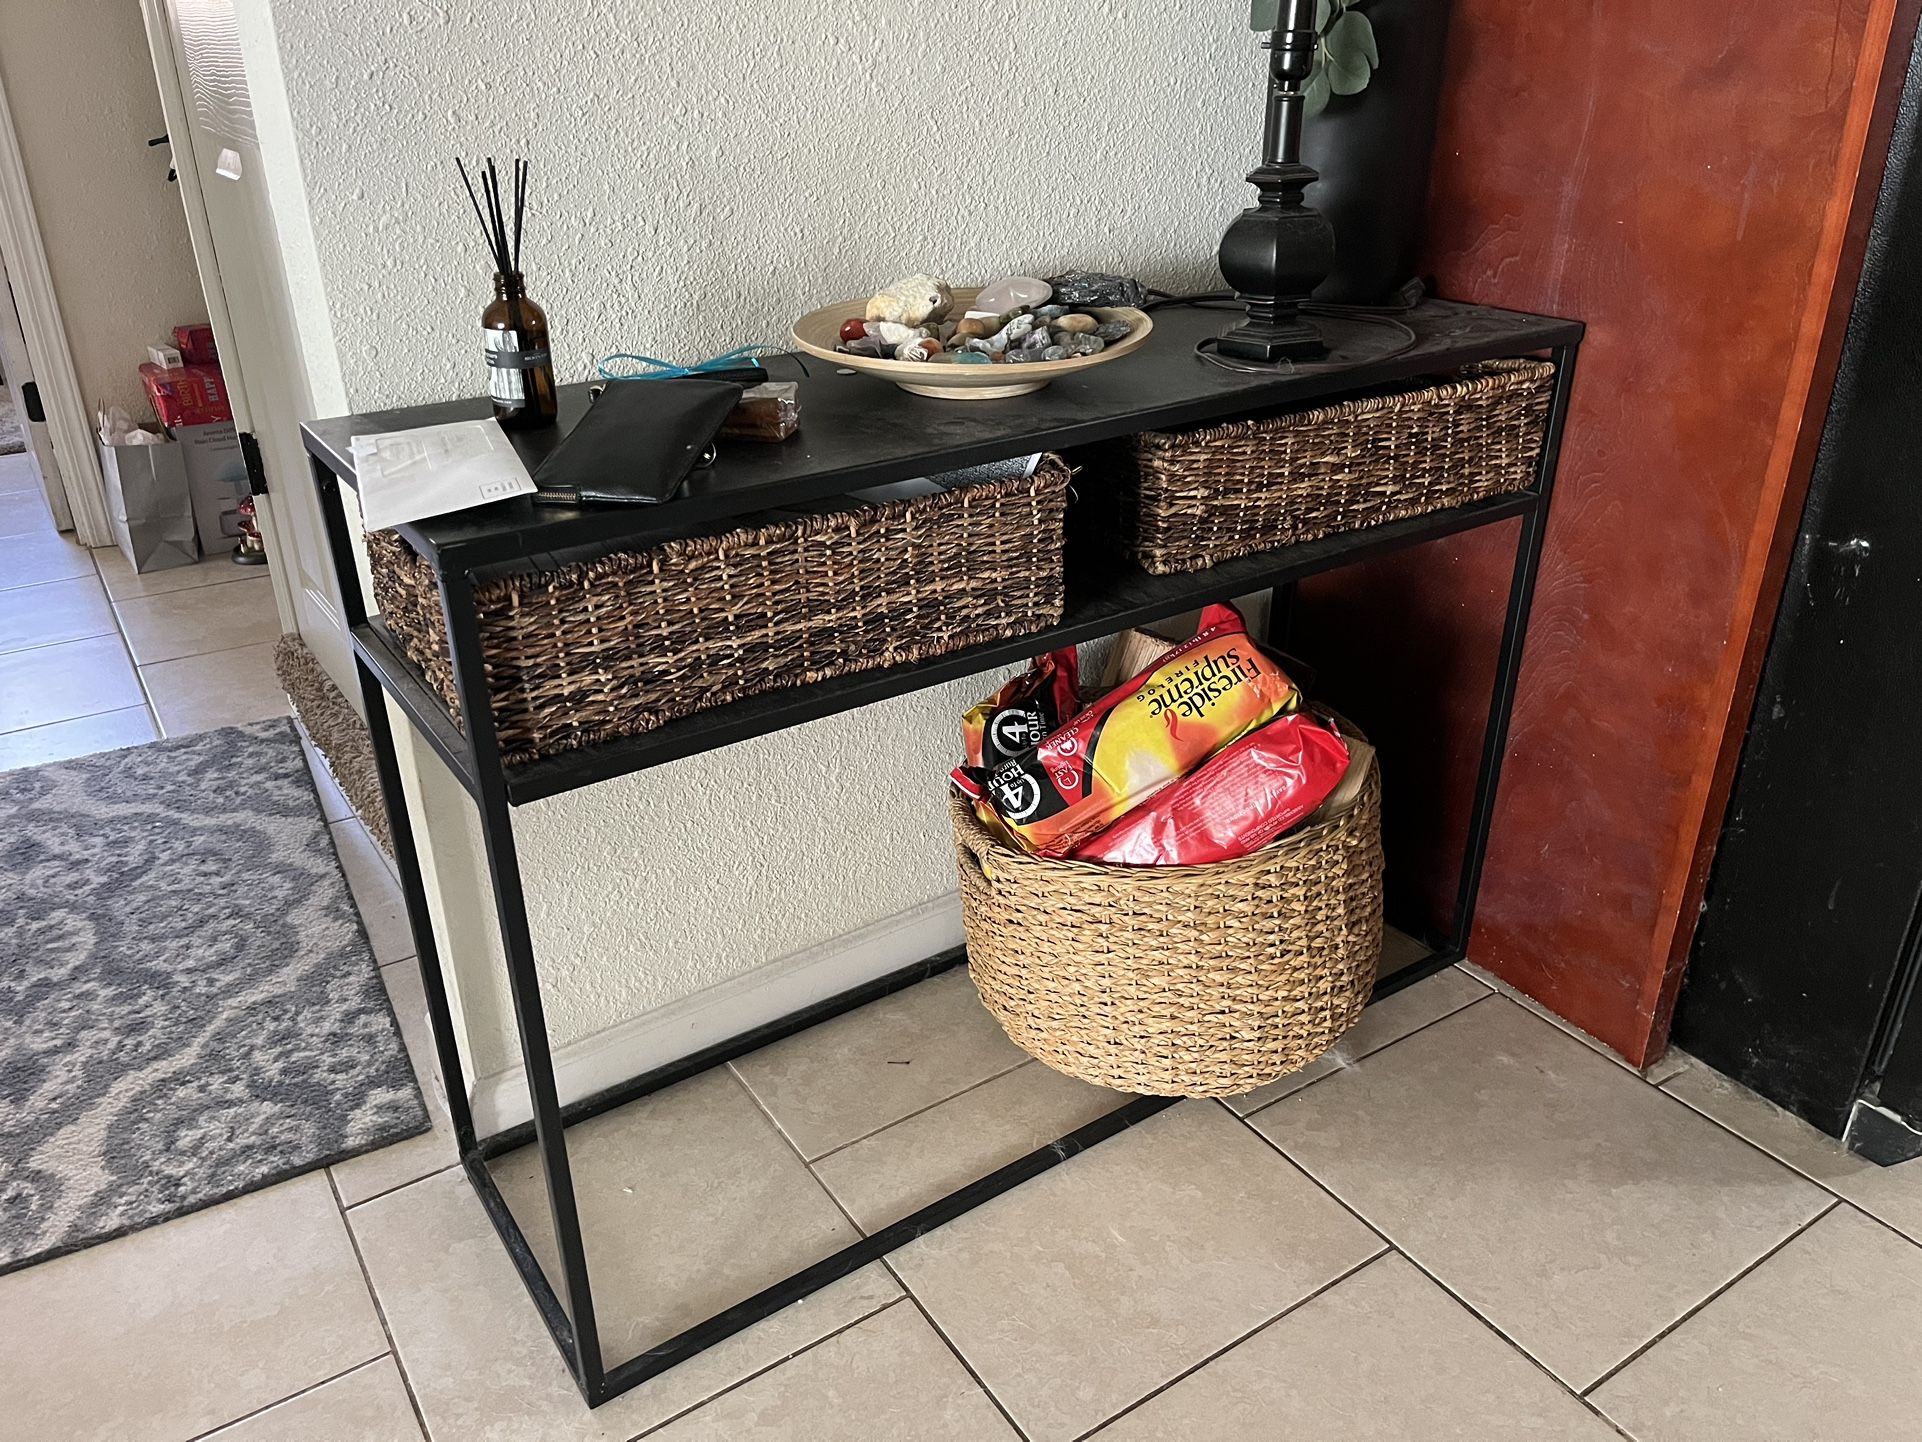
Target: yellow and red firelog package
x=1203 y=695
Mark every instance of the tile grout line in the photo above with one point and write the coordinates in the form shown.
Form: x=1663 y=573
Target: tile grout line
x=1026 y=1061
x=760 y=1372
x=1390 y=1244
x=347 y=1206
x=62 y=641
x=380 y=1312
x=887 y=1264
x=91 y=715
x=1806 y=1176
x=1581 y=1395
x=184 y=656
x=290 y=1397
x=825 y=1337
x=1513 y=1345
x=1295 y=1306
x=939 y=1331
x=1693 y=1311
x=1316 y=1081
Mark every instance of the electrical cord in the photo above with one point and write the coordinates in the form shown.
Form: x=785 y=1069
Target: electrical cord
x=1381 y=317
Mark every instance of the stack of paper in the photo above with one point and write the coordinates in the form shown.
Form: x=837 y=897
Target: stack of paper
x=409 y=475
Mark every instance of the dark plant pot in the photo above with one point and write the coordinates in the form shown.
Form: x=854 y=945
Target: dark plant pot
x=1373 y=150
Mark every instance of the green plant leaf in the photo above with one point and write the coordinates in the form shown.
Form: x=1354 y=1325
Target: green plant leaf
x=1324 y=12
x=1348 y=54
x=1264 y=15
x=1314 y=95
x=1364 y=31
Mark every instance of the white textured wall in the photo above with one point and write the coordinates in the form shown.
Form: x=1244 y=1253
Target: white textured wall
x=703 y=174
x=80 y=84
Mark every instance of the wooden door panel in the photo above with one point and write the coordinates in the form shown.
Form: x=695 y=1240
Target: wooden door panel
x=1681 y=178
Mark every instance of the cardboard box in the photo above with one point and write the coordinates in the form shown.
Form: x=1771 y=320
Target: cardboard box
x=196 y=344
x=149 y=506
x=194 y=395
x=216 y=480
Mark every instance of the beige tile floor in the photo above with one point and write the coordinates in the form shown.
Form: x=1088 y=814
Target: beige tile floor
x=1467 y=1222
x=93 y=656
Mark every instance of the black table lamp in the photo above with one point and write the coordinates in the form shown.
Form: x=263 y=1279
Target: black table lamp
x=1277 y=252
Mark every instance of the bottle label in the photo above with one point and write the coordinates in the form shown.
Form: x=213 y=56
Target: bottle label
x=505 y=363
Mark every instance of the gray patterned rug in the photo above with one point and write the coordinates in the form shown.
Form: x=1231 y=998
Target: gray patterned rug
x=189 y=1008
x=13 y=440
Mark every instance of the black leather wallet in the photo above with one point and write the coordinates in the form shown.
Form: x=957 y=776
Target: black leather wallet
x=638 y=442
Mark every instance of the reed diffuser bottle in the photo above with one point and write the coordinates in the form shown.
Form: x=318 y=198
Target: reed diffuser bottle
x=520 y=366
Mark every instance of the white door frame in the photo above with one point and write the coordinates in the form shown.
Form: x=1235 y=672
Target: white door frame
x=175 y=109
x=68 y=420
x=18 y=362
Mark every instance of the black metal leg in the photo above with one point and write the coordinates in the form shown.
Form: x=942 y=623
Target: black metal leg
x=537 y=1057
x=1521 y=596
x=400 y=828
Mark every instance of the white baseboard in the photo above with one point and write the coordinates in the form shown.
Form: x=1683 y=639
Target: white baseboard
x=655 y=1038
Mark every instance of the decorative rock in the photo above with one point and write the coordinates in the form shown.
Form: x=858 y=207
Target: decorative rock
x=1114 y=330
x=1084 y=345
x=1050 y=313
x=1088 y=287
x=969 y=358
x=1013 y=331
x=1011 y=292
x=888 y=333
x=1037 y=339
x=973 y=328
x=921 y=348
x=980 y=345
x=1021 y=357
x=1056 y=352
x=853 y=329
x=867 y=345
x=1077 y=324
x=912 y=300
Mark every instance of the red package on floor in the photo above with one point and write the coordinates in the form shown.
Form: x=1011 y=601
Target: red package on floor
x=1244 y=797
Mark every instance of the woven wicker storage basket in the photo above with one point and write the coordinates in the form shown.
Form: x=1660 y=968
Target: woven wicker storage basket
x=1180 y=981
x=1185 y=500
x=615 y=646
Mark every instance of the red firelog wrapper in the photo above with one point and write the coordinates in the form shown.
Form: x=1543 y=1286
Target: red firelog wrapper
x=1197 y=699
x=1240 y=800
x=1021 y=713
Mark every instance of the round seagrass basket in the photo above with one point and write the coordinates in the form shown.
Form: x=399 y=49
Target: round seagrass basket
x=1179 y=981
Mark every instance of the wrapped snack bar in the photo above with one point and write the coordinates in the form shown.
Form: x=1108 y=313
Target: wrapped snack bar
x=1237 y=802
x=1200 y=697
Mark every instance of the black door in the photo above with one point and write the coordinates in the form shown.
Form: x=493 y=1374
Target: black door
x=1801 y=984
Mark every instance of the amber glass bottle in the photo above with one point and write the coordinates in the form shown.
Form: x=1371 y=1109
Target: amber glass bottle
x=520 y=369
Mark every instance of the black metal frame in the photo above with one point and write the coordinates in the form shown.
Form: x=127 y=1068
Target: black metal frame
x=568 y=1309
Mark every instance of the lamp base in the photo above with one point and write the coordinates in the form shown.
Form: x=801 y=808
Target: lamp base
x=1274 y=255
x=1295 y=339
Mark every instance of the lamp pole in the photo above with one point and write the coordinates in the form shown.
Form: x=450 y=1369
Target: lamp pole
x=1276 y=252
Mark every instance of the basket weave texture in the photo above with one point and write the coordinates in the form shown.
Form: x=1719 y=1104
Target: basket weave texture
x=1185 y=500
x=613 y=647
x=1180 y=981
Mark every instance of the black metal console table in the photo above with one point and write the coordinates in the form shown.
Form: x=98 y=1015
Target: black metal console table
x=858 y=432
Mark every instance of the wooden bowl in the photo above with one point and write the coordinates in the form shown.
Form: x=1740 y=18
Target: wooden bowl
x=819 y=331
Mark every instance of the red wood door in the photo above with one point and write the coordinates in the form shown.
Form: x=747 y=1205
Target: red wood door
x=1689 y=180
